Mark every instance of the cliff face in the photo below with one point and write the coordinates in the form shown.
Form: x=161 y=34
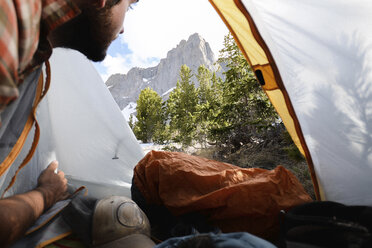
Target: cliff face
x=194 y=52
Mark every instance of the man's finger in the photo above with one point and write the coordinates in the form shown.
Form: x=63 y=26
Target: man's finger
x=53 y=165
x=61 y=173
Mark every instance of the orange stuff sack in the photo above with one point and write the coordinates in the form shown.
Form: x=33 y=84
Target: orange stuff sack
x=232 y=198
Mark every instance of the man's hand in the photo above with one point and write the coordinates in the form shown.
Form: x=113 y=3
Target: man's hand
x=53 y=185
x=19 y=212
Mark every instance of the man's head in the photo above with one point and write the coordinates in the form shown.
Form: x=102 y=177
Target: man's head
x=91 y=33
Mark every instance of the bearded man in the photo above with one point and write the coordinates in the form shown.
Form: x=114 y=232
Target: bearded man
x=29 y=30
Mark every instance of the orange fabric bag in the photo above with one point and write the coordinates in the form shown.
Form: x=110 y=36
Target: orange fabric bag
x=234 y=199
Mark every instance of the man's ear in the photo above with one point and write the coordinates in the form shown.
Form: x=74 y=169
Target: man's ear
x=99 y=3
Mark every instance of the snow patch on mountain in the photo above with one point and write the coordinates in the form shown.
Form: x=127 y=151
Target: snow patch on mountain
x=168 y=91
x=130 y=109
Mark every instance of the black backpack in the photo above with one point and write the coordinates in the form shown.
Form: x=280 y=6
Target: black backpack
x=326 y=224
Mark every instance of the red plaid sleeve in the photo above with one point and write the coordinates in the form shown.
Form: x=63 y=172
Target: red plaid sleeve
x=19 y=38
x=9 y=53
x=57 y=12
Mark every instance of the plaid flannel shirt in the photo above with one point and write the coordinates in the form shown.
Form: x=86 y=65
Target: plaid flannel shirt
x=24 y=26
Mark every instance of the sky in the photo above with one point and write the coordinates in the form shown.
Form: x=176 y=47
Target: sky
x=153 y=27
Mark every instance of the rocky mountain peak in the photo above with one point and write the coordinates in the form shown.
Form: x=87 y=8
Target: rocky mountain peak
x=193 y=52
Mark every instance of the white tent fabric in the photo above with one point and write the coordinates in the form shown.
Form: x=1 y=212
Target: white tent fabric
x=323 y=50
x=81 y=127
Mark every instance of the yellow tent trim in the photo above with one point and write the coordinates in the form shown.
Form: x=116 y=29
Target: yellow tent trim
x=268 y=74
x=17 y=148
x=250 y=42
x=54 y=239
x=277 y=97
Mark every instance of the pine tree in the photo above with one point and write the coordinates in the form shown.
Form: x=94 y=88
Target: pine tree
x=246 y=112
x=204 y=77
x=181 y=108
x=162 y=133
x=205 y=100
x=149 y=115
x=131 y=122
x=215 y=108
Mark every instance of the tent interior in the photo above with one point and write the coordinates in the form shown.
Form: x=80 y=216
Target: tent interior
x=314 y=60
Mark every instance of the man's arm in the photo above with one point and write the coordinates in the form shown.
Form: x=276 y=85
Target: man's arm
x=19 y=212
